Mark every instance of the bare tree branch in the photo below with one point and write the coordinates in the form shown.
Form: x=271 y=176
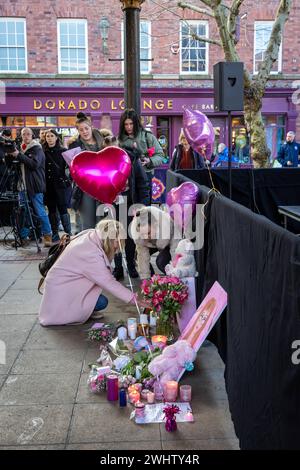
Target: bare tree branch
x=274 y=43
x=234 y=13
x=210 y=41
x=197 y=9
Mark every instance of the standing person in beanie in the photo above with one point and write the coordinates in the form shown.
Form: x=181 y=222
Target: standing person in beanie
x=57 y=184
x=92 y=140
x=32 y=159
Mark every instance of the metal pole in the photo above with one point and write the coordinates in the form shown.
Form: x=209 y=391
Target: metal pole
x=229 y=152
x=132 y=74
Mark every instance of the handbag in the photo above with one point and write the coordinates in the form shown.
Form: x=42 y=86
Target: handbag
x=63 y=181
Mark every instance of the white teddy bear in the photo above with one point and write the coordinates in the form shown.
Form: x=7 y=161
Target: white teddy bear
x=183 y=264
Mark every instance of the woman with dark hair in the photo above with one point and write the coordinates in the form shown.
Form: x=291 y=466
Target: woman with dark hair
x=92 y=140
x=133 y=135
x=57 y=183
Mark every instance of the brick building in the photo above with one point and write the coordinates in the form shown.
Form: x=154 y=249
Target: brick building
x=58 y=57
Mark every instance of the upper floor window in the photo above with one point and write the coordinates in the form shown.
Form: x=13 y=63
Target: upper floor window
x=262 y=33
x=72 y=46
x=145 y=46
x=193 y=53
x=13 y=56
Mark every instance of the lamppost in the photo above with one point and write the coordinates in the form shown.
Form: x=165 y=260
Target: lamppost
x=132 y=73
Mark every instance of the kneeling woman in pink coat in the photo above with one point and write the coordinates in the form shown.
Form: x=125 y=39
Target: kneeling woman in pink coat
x=73 y=286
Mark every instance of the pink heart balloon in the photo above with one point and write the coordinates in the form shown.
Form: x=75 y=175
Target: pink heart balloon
x=102 y=175
x=182 y=203
x=199 y=132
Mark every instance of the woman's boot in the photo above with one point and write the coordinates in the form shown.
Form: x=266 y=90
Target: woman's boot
x=54 y=226
x=66 y=222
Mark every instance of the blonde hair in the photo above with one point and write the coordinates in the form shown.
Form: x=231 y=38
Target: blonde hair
x=110 y=230
x=181 y=137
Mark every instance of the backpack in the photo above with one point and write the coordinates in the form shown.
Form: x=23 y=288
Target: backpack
x=53 y=254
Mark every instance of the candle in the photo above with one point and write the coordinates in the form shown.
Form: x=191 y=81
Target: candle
x=132 y=331
x=131 y=321
x=150 y=397
x=189 y=416
x=170 y=390
x=134 y=396
x=122 y=398
x=122 y=333
x=112 y=387
x=159 y=341
x=158 y=390
x=144 y=318
x=144 y=394
x=139 y=409
x=185 y=392
x=152 y=319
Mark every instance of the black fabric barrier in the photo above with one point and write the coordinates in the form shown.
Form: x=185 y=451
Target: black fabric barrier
x=261 y=190
x=258 y=264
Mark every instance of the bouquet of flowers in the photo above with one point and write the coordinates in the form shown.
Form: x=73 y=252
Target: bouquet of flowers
x=166 y=295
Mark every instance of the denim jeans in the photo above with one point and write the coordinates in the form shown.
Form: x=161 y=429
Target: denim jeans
x=102 y=303
x=37 y=200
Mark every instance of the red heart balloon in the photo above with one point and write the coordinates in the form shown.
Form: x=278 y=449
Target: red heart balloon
x=102 y=175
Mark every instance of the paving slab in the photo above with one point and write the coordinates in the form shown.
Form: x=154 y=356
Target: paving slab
x=30 y=425
x=17 y=302
x=41 y=361
x=85 y=396
x=123 y=445
x=36 y=447
x=202 y=444
x=11 y=355
x=106 y=422
x=39 y=389
x=43 y=338
x=15 y=329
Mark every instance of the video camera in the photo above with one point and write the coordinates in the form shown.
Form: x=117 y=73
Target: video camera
x=7 y=146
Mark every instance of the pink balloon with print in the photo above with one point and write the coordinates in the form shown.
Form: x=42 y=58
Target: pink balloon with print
x=199 y=132
x=182 y=202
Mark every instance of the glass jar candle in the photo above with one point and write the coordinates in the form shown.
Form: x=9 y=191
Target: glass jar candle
x=185 y=392
x=170 y=390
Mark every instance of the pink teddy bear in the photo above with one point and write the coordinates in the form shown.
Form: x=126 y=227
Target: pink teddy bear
x=173 y=360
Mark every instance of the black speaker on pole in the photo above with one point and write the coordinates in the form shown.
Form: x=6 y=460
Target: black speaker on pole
x=229 y=86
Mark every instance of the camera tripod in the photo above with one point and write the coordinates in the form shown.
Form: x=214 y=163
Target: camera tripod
x=14 y=172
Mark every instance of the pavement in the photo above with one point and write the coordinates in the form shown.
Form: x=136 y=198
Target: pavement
x=45 y=402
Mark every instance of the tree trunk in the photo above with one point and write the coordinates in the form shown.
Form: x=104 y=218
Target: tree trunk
x=260 y=152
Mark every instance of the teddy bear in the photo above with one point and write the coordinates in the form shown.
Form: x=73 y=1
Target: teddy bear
x=173 y=361
x=183 y=263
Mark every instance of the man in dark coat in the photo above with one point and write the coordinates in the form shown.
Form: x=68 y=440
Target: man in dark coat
x=289 y=152
x=32 y=159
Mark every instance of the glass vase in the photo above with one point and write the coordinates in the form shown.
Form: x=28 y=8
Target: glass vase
x=165 y=328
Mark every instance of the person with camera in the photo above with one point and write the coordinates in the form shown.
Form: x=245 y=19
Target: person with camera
x=32 y=160
x=58 y=185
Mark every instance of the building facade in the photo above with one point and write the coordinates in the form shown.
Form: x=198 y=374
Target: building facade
x=57 y=58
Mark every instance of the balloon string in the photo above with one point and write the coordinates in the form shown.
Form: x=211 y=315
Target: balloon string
x=129 y=277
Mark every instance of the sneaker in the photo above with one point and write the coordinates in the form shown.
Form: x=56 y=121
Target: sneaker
x=133 y=272
x=47 y=239
x=118 y=273
x=96 y=315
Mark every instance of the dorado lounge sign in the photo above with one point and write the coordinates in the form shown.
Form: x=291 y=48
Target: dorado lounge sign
x=96 y=104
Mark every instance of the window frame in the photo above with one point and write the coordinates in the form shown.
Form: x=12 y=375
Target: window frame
x=149 y=62
x=197 y=22
x=17 y=20
x=59 y=61
x=279 y=60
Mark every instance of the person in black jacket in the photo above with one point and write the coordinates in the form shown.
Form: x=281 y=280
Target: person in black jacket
x=184 y=157
x=136 y=192
x=32 y=159
x=289 y=152
x=57 y=183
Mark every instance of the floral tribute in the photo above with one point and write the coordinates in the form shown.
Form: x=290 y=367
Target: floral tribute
x=166 y=295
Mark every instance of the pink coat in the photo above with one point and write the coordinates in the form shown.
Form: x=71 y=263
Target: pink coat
x=76 y=280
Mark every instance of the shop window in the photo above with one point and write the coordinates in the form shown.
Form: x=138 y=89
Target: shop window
x=14 y=121
x=72 y=46
x=35 y=121
x=13 y=54
x=240 y=141
x=275 y=133
x=66 y=121
x=145 y=46
x=194 y=53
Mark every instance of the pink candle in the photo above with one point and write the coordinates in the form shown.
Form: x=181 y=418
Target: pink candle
x=139 y=409
x=112 y=387
x=189 y=416
x=150 y=398
x=170 y=390
x=185 y=392
x=134 y=396
x=144 y=394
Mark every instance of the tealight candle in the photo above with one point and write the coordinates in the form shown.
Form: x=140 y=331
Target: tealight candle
x=137 y=387
x=132 y=329
x=185 y=392
x=170 y=390
x=122 y=333
x=139 y=409
x=189 y=416
x=159 y=341
x=150 y=398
